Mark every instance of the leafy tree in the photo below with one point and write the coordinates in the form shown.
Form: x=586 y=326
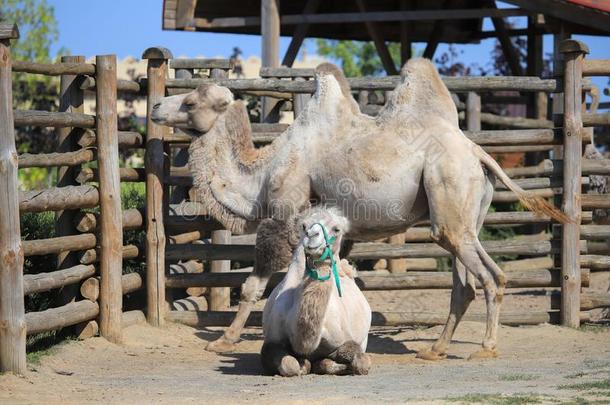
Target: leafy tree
x=357 y=58
x=38 y=29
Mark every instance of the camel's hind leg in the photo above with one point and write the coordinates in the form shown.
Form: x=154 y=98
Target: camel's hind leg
x=462 y=294
x=457 y=207
x=275 y=241
x=277 y=359
x=347 y=359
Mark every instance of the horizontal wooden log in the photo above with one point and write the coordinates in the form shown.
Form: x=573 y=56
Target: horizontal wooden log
x=87 y=221
x=58 y=198
x=596 y=119
x=283 y=72
x=183 y=224
x=593 y=299
x=199 y=303
x=59 y=244
x=90 y=288
x=187 y=237
x=515 y=122
x=75 y=158
x=201 y=319
x=200 y=63
x=92 y=255
x=517 y=148
x=53 y=69
x=591 y=201
x=127 y=139
x=554 y=168
x=25 y=118
x=189 y=267
x=58 y=318
x=509 y=196
x=34 y=283
x=595 y=262
x=127 y=174
x=130 y=318
x=373 y=281
x=598 y=248
x=596 y=67
x=593 y=232
x=535 y=263
x=122 y=85
x=456 y=84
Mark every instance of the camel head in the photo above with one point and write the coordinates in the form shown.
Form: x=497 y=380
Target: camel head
x=194 y=112
x=322 y=228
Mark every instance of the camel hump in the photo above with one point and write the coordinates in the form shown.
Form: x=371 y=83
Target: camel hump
x=422 y=85
x=330 y=69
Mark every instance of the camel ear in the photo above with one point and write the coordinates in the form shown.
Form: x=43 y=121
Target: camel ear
x=237 y=121
x=219 y=98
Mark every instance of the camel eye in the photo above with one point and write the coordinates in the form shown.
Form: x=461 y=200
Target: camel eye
x=336 y=230
x=304 y=227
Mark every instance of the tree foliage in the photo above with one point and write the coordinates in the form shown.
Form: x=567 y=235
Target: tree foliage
x=357 y=58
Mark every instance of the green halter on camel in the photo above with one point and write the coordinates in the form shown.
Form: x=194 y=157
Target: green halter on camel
x=327 y=254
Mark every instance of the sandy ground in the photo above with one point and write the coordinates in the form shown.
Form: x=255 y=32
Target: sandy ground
x=170 y=365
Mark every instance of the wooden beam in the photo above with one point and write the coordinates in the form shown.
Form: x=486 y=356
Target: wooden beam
x=8 y=31
x=300 y=32
x=377 y=16
x=435 y=34
x=12 y=313
x=380 y=45
x=510 y=53
x=574 y=53
x=185 y=14
x=405 y=33
x=270 y=33
x=573 y=13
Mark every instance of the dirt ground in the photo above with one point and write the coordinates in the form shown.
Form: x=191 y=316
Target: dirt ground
x=170 y=365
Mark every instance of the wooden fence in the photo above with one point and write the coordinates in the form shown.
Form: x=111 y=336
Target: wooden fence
x=189 y=256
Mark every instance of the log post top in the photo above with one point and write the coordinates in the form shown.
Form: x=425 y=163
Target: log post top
x=572 y=45
x=8 y=31
x=157 y=52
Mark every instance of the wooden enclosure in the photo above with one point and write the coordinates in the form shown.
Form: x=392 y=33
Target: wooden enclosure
x=189 y=257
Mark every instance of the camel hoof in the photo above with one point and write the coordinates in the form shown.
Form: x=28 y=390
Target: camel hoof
x=484 y=354
x=220 y=345
x=289 y=367
x=361 y=364
x=305 y=367
x=429 y=354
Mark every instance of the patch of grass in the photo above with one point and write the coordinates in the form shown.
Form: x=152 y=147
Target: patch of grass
x=497 y=399
x=34 y=358
x=603 y=385
x=594 y=327
x=518 y=377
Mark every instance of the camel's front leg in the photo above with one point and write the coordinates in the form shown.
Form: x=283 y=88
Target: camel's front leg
x=274 y=245
x=277 y=359
x=347 y=359
x=462 y=294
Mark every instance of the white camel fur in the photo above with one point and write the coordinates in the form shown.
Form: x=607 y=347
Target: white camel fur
x=311 y=318
x=408 y=164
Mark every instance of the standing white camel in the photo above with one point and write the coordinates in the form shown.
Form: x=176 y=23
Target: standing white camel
x=408 y=164
x=317 y=314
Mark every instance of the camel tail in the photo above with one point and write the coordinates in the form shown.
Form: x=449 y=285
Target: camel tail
x=532 y=202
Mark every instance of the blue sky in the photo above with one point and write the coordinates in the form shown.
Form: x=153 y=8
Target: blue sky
x=128 y=27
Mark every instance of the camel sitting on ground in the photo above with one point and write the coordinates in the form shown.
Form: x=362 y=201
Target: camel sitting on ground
x=408 y=164
x=317 y=314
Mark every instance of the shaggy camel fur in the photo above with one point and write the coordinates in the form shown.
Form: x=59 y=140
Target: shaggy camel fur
x=410 y=163
x=308 y=320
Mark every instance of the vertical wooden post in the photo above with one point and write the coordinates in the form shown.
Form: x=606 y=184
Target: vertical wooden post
x=155 y=161
x=220 y=298
x=270 y=32
x=397 y=265
x=12 y=312
x=473 y=112
x=180 y=193
x=70 y=100
x=111 y=215
x=405 y=35
x=299 y=100
x=574 y=53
